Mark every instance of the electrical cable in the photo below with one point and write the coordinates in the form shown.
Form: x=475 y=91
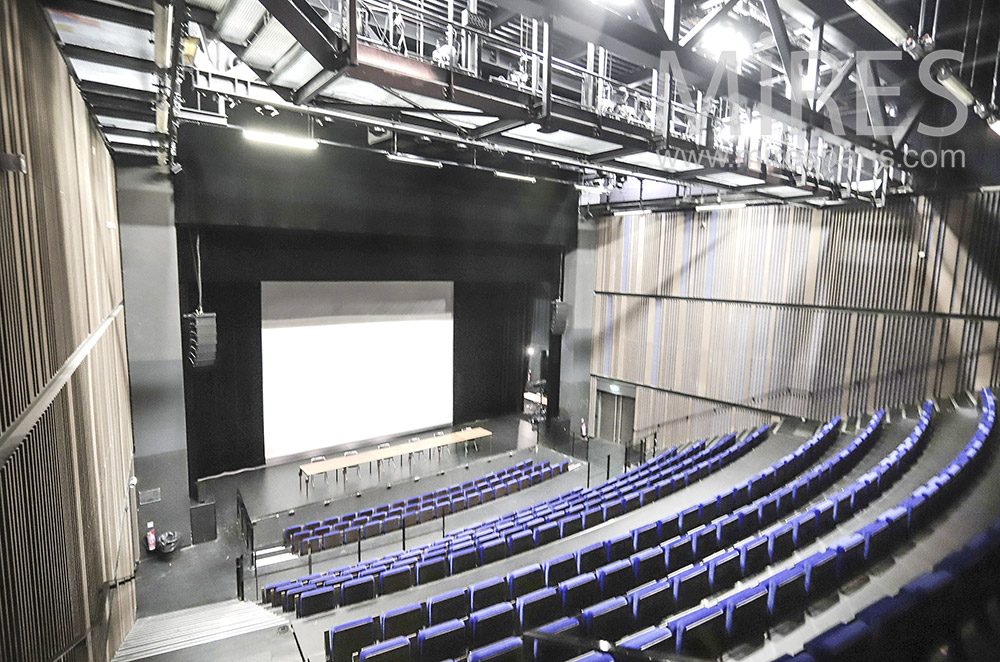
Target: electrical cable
x=996 y=70
x=965 y=39
x=197 y=270
x=937 y=7
x=975 y=57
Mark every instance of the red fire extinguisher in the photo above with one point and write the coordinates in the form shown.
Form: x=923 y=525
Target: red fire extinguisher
x=150 y=537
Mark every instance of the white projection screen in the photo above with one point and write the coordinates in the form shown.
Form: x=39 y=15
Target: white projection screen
x=352 y=361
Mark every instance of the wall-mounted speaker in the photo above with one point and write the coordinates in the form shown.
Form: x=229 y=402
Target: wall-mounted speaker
x=560 y=317
x=202 y=338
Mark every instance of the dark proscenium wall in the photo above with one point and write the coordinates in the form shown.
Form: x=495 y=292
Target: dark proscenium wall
x=335 y=215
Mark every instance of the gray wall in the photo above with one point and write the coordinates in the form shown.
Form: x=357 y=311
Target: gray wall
x=152 y=310
x=576 y=349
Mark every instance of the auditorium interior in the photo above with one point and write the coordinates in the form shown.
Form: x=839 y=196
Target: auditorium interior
x=637 y=330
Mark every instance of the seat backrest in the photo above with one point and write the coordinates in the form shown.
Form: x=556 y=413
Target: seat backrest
x=508 y=650
x=346 y=639
x=447 y=606
x=391 y=650
x=441 y=642
x=402 y=621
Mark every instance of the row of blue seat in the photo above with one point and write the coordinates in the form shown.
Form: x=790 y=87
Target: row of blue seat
x=372 y=522
x=508 y=535
x=573 y=581
x=932 y=607
x=707 y=630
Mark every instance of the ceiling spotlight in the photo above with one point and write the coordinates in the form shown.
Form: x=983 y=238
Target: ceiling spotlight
x=280 y=139
x=720 y=39
x=414 y=160
x=518 y=178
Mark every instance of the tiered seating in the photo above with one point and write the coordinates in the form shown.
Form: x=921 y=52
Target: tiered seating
x=709 y=630
x=346 y=529
x=590 y=582
x=932 y=607
x=511 y=534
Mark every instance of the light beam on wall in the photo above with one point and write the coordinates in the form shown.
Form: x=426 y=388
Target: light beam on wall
x=280 y=139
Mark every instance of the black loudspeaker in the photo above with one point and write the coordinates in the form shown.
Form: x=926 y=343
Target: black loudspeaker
x=202 y=336
x=560 y=317
x=203 y=526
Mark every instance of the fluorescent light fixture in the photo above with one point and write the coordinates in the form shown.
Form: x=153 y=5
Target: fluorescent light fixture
x=414 y=160
x=992 y=188
x=721 y=206
x=956 y=87
x=163 y=21
x=879 y=19
x=517 y=178
x=595 y=190
x=279 y=139
x=615 y=388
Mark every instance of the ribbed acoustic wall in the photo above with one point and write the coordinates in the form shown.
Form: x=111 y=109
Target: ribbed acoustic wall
x=67 y=530
x=722 y=317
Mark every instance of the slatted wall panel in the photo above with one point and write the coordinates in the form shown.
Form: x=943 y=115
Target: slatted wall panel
x=801 y=311
x=66 y=535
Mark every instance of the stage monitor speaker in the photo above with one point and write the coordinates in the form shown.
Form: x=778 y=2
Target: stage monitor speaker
x=203 y=526
x=560 y=317
x=202 y=337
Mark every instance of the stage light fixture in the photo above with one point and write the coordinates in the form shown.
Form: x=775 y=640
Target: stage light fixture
x=517 y=178
x=163 y=20
x=720 y=206
x=414 y=160
x=879 y=19
x=280 y=139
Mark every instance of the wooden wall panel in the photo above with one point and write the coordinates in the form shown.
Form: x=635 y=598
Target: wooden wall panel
x=799 y=311
x=66 y=529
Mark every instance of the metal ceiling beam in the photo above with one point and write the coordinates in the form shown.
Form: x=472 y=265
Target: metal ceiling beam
x=133 y=13
x=908 y=121
x=838 y=79
x=309 y=29
x=652 y=15
x=613 y=154
x=812 y=65
x=695 y=34
x=785 y=49
x=93 y=87
x=644 y=47
x=874 y=108
x=75 y=52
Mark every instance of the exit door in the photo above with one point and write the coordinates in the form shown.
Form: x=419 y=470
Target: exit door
x=615 y=417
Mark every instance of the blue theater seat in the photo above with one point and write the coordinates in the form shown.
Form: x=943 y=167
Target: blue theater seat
x=492 y=551
x=650 y=639
x=786 y=592
x=525 y=580
x=747 y=614
x=546 y=533
x=488 y=592
x=537 y=608
x=398 y=579
x=358 y=590
x=677 y=553
x=441 y=642
x=547 y=651
x=615 y=578
x=579 y=592
x=690 y=586
x=391 y=650
x=850 y=555
x=559 y=569
x=508 y=650
x=645 y=536
x=618 y=548
x=402 y=621
x=519 y=542
x=609 y=620
x=700 y=632
x=754 y=555
x=648 y=564
x=431 y=570
x=447 y=606
x=821 y=572
x=590 y=558
x=346 y=639
x=491 y=624
x=723 y=569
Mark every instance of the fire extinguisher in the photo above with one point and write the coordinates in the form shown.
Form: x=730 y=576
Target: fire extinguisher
x=150 y=537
